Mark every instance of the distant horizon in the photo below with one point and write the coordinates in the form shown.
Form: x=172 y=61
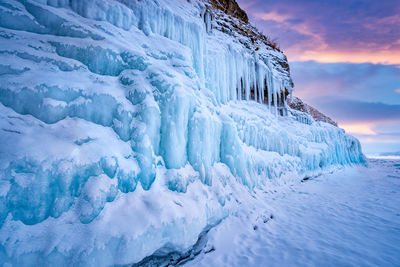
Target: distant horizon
x=344 y=59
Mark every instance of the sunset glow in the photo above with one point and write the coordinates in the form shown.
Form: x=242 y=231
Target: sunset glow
x=345 y=61
x=385 y=57
x=358 y=128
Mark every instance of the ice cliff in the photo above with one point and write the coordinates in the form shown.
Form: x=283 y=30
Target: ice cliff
x=129 y=127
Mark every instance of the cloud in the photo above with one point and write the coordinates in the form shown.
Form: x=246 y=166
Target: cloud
x=368 y=82
x=376 y=125
x=359 y=128
x=379 y=131
x=385 y=56
x=248 y=4
x=350 y=111
x=376 y=144
x=286 y=24
x=376 y=137
x=271 y=16
x=345 y=60
x=332 y=31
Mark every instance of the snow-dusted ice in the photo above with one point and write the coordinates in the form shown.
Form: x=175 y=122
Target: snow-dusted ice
x=347 y=218
x=132 y=126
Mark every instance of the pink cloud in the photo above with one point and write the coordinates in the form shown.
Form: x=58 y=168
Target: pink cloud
x=316 y=31
x=359 y=128
x=329 y=55
x=274 y=16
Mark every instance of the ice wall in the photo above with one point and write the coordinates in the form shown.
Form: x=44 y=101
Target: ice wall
x=129 y=126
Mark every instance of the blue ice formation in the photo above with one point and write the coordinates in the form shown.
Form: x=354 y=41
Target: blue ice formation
x=129 y=126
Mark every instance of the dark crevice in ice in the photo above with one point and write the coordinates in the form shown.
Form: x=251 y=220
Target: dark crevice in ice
x=167 y=256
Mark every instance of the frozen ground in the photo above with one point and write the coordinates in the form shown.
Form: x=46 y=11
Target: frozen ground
x=348 y=218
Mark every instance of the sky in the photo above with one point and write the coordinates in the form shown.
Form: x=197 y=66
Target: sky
x=344 y=57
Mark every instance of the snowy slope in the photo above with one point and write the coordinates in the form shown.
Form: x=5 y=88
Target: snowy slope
x=129 y=126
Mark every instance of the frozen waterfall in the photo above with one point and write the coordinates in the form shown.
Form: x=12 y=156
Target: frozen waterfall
x=142 y=122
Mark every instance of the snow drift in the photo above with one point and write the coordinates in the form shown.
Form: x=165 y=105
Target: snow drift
x=132 y=126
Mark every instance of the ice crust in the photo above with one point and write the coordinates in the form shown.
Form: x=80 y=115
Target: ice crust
x=127 y=126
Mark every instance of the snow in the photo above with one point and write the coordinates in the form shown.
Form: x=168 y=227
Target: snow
x=128 y=126
x=348 y=218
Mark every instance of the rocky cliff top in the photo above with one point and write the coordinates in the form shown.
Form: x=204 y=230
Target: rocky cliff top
x=297 y=104
x=238 y=20
x=230 y=19
x=230 y=7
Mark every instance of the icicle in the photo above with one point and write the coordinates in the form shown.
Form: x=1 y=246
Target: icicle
x=278 y=93
x=275 y=99
x=208 y=21
x=270 y=90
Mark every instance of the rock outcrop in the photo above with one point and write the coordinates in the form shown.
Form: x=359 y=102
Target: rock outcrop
x=230 y=7
x=297 y=104
x=230 y=18
x=226 y=17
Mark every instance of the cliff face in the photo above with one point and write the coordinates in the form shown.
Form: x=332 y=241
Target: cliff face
x=232 y=20
x=297 y=104
x=231 y=8
x=226 y=20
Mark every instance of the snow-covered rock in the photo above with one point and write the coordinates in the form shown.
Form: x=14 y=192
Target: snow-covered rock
x=297 y=104
x=130 y=126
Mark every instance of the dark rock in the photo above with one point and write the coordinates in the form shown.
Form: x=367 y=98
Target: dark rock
x=297 y=104
x=241 y=25
x=230 y=7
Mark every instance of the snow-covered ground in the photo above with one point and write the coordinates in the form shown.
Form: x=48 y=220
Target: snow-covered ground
x=347 y=218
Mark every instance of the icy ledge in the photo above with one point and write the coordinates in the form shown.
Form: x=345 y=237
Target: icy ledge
x=130 y=126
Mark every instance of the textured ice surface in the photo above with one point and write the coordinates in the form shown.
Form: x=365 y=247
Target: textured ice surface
x=127 y=126
x=348 y=218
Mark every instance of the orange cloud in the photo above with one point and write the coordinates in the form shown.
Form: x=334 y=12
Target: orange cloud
x=385 y=57
x=365 y=133
x=316 y=48
x=359 y=128
x=377 y=140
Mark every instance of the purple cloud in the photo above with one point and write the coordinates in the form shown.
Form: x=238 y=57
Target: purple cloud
x=363 y=95
x=331 y=31
x=369 y=82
